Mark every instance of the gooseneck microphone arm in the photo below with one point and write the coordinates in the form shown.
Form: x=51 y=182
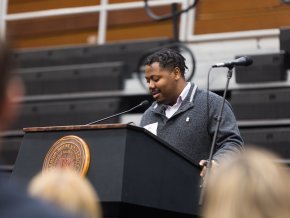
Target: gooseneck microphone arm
x=219 y=118
x=142 y=104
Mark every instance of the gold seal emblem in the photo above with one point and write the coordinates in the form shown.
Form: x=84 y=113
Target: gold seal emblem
x=68 y=152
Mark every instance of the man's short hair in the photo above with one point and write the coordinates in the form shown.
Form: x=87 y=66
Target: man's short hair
x=167 y=59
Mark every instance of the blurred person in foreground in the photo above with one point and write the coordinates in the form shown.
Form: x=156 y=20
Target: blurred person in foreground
x=68 y=190
x=252 y=184
x=184 y=115
x=14 y=201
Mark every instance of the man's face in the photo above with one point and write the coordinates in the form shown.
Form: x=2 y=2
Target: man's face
x=161 y=83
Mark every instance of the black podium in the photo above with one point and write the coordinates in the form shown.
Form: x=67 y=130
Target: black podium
x=134 y=172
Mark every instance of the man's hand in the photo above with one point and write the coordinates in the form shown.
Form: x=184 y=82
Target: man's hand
x=203 y=164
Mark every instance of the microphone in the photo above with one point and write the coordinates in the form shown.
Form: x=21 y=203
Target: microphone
x=142 y=104
x=242 y=61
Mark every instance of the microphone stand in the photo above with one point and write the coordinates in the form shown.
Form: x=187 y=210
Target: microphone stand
x=143 y=103
x=115 y=115
x=219 y=118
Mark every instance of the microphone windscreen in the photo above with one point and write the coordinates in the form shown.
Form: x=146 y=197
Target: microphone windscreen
x=248 y=61
x=144 y=103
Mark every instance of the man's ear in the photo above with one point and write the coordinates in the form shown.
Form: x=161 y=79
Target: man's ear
x=9 y=105
x=177 y=73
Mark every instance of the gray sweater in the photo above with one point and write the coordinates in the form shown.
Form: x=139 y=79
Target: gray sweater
x=190 y=129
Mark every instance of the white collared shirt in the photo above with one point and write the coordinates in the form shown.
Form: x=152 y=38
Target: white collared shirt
x=170 y=110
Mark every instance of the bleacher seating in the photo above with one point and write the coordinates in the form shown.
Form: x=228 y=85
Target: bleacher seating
x=273 y=138
x=263 y=118
x=261 y=104
x=64 y=111
x=73 y=78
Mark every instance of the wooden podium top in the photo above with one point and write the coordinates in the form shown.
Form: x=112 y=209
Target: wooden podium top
x=79 y=127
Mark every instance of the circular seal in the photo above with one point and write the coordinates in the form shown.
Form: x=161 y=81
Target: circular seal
x=68 y=152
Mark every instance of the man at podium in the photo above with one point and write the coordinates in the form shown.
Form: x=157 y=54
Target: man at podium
x=184 y=115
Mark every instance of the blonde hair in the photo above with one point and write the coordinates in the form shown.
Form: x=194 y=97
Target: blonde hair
x=67 y=190
x=253 y=184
